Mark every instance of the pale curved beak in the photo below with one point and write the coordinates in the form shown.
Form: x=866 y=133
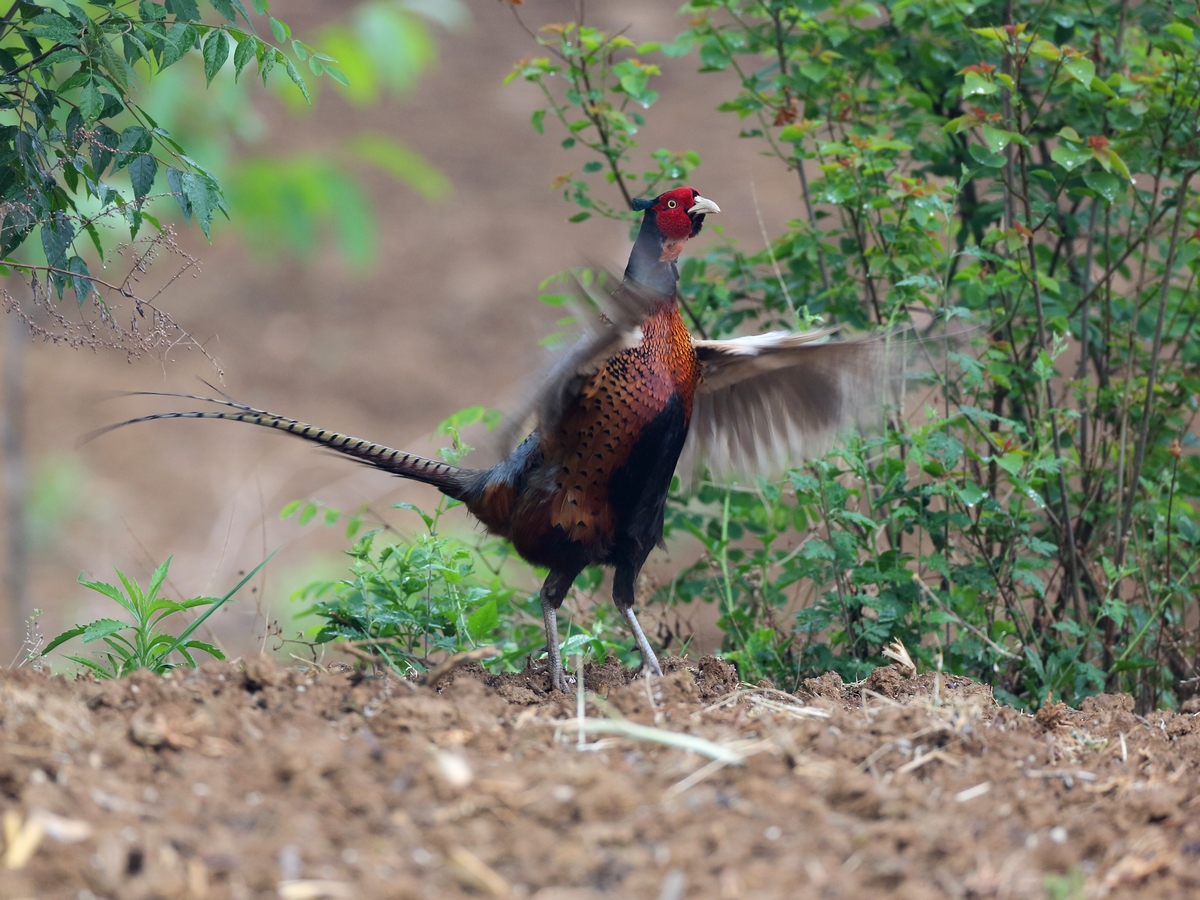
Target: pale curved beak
x=703 y=205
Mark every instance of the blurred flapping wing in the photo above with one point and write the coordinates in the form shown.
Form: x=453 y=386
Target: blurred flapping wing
x=771 y=400
x=611 y=323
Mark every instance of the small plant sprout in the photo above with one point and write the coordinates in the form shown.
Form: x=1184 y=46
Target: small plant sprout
x=141 y=642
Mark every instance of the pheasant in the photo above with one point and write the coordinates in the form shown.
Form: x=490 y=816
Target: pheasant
x=588 y=486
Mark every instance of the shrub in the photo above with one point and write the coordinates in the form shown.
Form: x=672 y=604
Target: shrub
x=1027 y=168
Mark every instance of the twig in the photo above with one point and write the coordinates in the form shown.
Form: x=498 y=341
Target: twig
x=675 y=739
x=1139 y=453
x=916 y=762
x=580 y=701
x=372 y=659
x=771 y=252
x=967 y=625
x=444 y=668
x=711 y=768
x=797 y=712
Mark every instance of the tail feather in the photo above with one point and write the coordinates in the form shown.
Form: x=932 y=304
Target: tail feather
x=451 y=480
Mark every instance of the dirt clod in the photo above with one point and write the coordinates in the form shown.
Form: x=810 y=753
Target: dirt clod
x=885 y=680
x=828 y=686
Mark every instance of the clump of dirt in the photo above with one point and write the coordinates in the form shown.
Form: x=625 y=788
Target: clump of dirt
x=237 y=781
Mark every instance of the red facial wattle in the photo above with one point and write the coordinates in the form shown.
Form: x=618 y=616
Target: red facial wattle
x=671 y=212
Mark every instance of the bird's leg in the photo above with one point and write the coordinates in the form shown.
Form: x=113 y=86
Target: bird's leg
x=558 y=680
x=554 y=589
x=624 y=595
x=648 y=657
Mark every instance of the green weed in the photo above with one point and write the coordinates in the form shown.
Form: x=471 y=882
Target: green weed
x=141 y=642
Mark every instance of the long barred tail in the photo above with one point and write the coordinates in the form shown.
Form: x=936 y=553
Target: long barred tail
x=451 y=480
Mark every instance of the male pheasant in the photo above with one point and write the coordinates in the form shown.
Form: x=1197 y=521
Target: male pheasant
x=589 y=485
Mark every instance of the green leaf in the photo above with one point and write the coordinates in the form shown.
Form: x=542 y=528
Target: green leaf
x=134 y=139
x=1105 y=184
x=537 y=120
x=337 y=75
x=1012 y=463
x=56 y=28
x=142 y=170
x=57 y=235
x=178 y=41
x=225 y=8
x=985 y=157
x=681 y=46
x=100 y=671
x=468 y=415
x=266 y=60
x=974 y=83
x=713 y=56
x=1044 y=49
x=294 y=74
x=243 y=54
x=184 y=9
x=996 y=138
x=992 y=34
x=205 y=198
x=307 y=514
x=1180 y=30
x=159 y=576
x=425 y=517
x=207 y=648
x=216 y=51
x=91 y=104
x=102 y=628
x=260 y=6
x=280 y=30
x=1082 y=69
x=108 y=590
x=580 y=216
x=1070 y=157
x=793 y=134
x=575 y=643
x=815 y=71
x=197 y=195
x=152 y=12
x=403 y=164
x=113 y=64
x=81 y=281
x=1108 y=158
x=92 y=233
x=484 y=620
x=63 y=638
x=289 y=509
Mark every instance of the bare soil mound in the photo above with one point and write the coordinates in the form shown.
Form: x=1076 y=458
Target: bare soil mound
x=253 y=780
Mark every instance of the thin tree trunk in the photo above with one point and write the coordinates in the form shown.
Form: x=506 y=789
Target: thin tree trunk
x=1139 y=453
x=12 y=437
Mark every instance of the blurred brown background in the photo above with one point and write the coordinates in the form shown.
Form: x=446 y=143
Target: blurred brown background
x=448 y=317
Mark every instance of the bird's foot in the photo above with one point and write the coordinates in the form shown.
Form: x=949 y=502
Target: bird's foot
x=560 y=679
x=563 y=682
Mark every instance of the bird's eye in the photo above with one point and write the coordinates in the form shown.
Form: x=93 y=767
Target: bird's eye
x=671 y=204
